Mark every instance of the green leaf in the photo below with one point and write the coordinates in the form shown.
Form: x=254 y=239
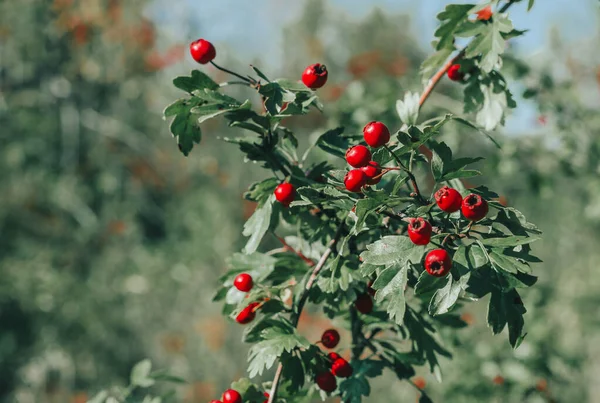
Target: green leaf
x=293 y=371
x=427 y=284
x=435 y=61
x=507 y=263
x=258 y=265
x=530 y=5
x=446 y=297
x=140 y=374
x=392 y=249
x=363 y=208
x=490 y=43
x=260 y=191
x=333 y=142
x=507 y=308
x=471 y=256
x=197 y=81
x=352 y=389
x=184 y=126
x=509 y=241
x=451 y=19
x=260 y=73
x=263 y=354
x=257 y=225
x=444 y=168
x=249 y=391
x=391 y=284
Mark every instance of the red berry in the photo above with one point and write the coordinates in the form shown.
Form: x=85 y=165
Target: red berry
x=341 y=368
x=333 y=356
x=372 y=170
x=484 y=14
x=438 y=263
x=232 y=396
x=355 y=180
x=285 y=193
x=202 y=51
x=474 y=207
x=454 y=74
x=364 y=303
x=243 y=282
x=267 y=397
x=358 y=156
x=330 y=338
x=419 y=231
x=326 y=381
x=247 y=314
x=448 y=199
x=376 y=134
x=315 y=76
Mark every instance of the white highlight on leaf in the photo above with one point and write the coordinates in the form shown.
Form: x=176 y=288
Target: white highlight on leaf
x=408 y=109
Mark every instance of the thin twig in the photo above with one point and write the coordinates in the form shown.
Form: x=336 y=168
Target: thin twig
x=233 y=73
x=303 y=298
x=301 y=255
x=411 y=177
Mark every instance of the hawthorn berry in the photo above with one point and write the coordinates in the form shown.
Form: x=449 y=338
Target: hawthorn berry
x=358 y=156
x=438 y=263
x=354 y=180
x=454 y=73
x=330 y=338
x=376 y=134
x=419 y=231
x=315 y=76
x=243 y=282
x=202 y=51
x=341 y=368
x=448 y=199
x=267 y=397
x=285 y=193
x=333 y=356
x=232 y=396
x=474 y=207
x=484 y=14
x=364 y=303
x=247 y=314
x=372 y=170
x=326 y=381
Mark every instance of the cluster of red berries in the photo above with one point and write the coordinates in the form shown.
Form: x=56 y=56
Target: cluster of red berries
x=438 y=262
x=473 y=206
x=366 y=171
x=244 y=283
x=339 y=366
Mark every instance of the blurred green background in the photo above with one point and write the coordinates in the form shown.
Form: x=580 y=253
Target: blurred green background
x=111 y=241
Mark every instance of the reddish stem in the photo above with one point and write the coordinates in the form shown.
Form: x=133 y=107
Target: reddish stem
x=301 y=255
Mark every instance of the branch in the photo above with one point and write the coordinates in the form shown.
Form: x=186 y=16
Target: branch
x=304 y=297
x=440 y=74
x=301 y=255
x=413 y=180
x=249 y=80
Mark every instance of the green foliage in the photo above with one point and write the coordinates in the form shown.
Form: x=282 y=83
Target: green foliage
x=491 y=256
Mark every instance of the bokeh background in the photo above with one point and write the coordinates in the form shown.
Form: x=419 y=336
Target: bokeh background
x=111 y=241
